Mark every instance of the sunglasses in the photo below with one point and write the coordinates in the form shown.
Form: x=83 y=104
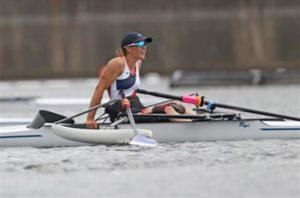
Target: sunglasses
x=139 y=44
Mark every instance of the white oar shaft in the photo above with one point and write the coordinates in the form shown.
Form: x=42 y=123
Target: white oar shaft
x=138 y=139
x=131 y=120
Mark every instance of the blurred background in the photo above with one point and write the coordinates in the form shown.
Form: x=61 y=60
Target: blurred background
x=50 y=55
x=72 y=38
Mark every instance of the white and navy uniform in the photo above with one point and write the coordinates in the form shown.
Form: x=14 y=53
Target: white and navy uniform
x=126 y=82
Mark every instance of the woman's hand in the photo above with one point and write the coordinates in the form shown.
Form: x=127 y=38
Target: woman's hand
x=91 y=124
x=125 y=103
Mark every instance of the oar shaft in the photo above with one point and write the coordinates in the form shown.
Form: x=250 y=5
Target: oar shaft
x=225 y=106
x=159 y=103
x=169 y=116
x=162 y=95
x=131 y=120
x=81 y=113
x=196 y=100
x=138 y=139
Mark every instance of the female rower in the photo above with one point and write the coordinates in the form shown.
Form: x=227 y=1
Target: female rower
x=122 y=74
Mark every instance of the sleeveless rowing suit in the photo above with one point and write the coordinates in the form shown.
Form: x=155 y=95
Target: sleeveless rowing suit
x=127 y=83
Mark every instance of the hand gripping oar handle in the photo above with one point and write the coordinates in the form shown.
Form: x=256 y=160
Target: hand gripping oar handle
x=196 y=100
x=225 y=106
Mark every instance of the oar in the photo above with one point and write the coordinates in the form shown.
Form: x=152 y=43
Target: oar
x=138 y=139
x=46 y=116
x=166 y=101
x=242 y=109
x=81 y=113
x=159 y=103
x=195 y=100
x=192 y=99
x=180 y=116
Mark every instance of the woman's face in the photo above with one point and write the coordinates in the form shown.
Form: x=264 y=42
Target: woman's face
x=138 y=50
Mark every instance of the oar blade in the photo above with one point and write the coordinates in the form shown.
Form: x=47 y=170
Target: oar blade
x=141 y=140
x=138 y=140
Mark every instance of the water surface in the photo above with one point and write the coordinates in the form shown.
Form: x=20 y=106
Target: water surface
x=248 y=168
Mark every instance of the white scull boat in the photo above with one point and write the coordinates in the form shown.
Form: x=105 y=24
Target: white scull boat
x=49 y=129
x=55 y=135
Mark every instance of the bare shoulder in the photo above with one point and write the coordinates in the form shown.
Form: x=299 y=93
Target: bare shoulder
x=115 y=65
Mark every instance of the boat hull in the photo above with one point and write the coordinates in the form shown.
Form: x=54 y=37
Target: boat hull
x=221 y=130
x=165 y=132
x=22 y=136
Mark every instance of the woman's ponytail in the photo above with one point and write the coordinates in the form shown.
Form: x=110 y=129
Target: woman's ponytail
x=119 y=52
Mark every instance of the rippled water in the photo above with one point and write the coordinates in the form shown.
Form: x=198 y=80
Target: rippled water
x=268 y=168
x=204 y=169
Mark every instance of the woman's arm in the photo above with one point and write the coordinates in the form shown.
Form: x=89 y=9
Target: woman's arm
x=110 y=73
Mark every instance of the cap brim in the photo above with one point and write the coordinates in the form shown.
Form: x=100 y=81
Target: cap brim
x=148 y=39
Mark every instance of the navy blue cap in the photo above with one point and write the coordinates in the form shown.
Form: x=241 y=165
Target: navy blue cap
x=134 y=37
